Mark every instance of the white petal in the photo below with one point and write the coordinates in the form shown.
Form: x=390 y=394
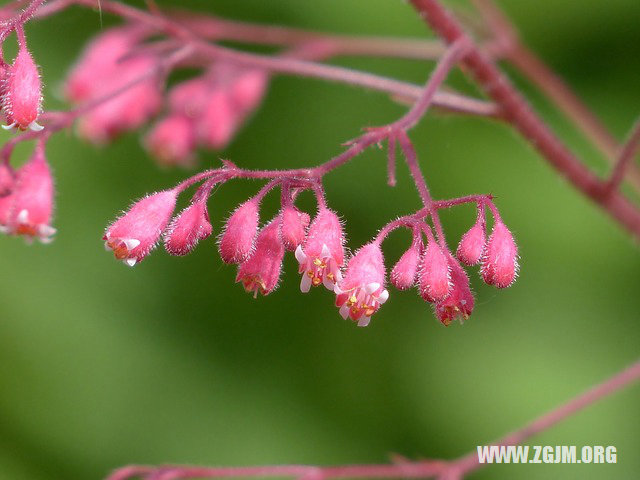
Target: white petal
x=326 y=253
x=344 y=311
x=130 y=261
x=23 y=216
x=4 y=229
x=131 y=243
x=300 y=256
x=9 y=127
x=305 y=283
x=383 y=297
x=372 y=287
x=35 y=126
x=328 y=284
x=45 y=240
x=364 y=321
x=336 y=289
x=46 y=230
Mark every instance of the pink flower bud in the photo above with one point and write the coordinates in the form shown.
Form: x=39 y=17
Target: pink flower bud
x=187 y=229
x=236 y=241
x=293 y=227
x=459 y=302
x=500 y=261
x=172 y=140
x=248 y=89
x=472 y=244
x=22 y=98
x=189 y=98
x=261 y=271
x=361 y=293
x=135 y=234
x=31 y=206
x=403 y=275
x=219 y=120
x=434 y=277
x=322 y=254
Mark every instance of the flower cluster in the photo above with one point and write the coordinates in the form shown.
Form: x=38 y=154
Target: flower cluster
x=358 y=282
x=122 y=71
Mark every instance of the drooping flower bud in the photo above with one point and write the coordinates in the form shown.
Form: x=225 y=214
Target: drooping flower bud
x=135 y=234
x=500 y=261
x=322 y=255
x=22 y=98
x=172 y=140
x=31 y=205
x=219 y=120
x=248 y=89
x=261 y=271
x=293 y=227
x=434 y=276
x=472 y=244
x=236 y=241
x=187 y=229
x=403 y=275
x=459 y=302
x=361 y=293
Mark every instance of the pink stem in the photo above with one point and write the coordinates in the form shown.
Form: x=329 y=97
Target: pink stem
x=518 y=112
x=20 y=19
x=629 y=150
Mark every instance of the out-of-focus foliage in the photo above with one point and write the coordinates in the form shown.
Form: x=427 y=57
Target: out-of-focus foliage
x=102 y=365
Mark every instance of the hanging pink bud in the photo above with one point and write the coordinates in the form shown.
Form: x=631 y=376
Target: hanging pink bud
x=172 y=141
x=32 y=200
x=187 y=229
x=459 y=302
x=434 y=276
x=22 y=98
x=261 y=271
x=361 y=293
x=219 y=120
x=472 y=244
x=403 y=275
x=190 y=97
x=293 y=227
x=248 y=89
x=500 y=261
x=135 y=234
x=236 y=241
x=322 y=255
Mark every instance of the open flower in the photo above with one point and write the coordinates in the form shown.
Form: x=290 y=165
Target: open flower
x=261 y=271
x=30 y=205
x=135 y=234
x=322 y=255
x=361 y=293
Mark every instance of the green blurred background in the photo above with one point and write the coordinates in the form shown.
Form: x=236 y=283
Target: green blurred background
x=102 y=365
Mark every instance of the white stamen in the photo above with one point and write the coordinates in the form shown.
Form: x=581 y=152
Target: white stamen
x=344 y=311
x=371 y=287
x=35 y=126
x=300 y=255
x=130 y=261
x=305 y=283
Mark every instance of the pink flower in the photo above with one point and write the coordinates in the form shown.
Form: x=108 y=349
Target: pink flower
x=261 y=271
x=403 y=275
x=172 y=140
x=187 y=229
x=472 y=244
x=248 y=89
x=219 y=120
x=293 y=227
x=322 y=255
x=189 y=98
x=135 y=234
x=236 y=241
x=22 y=92
x=434 y=277
x=500 y=261
x=31 y=204
x=362 y=291
x=459 y=302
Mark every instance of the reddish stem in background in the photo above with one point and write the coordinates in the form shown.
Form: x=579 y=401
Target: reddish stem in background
x=629 y=150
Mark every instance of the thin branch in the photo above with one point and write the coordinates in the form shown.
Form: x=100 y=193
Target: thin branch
x=629 y=150
x=518 y=112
